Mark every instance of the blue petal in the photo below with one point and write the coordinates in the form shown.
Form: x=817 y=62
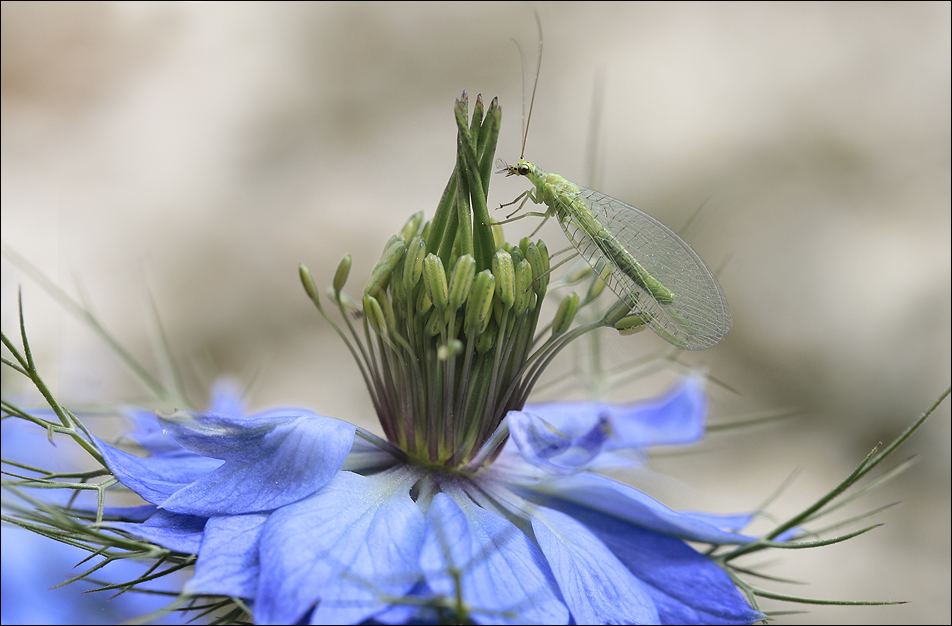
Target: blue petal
x=597 y=587
x=547 y=448
x=138 y=513
x=675 y=418
x=155 y=478
x=500 y=573
x=627 y=503
x=735 y=522
x=153 y=436
x=223 y=436
x=415 y=611
x=181 y=533
x=687 y=587
x=270 y=461
x=149 y=433
x=228 y=560
x=348 y=546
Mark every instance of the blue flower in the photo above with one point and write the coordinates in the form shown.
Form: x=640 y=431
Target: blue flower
x=307 y=518
x=475 y=507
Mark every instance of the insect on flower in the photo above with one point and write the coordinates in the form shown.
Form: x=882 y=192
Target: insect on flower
x=657 y=274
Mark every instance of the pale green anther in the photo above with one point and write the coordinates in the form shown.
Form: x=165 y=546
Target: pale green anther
x=375 y=315
x=505 y=277
x=308 y=281
x=630 y=324
x=435 y=323
x=480 y=302
x=381 y=273
x=434 y=280
x=451 y=349
x=387 y=309
x=544 y=251
x=424 y=304
x=396 y=281
x=462 y=281
x=343 y=271
x=565 y=315
x=540 y=267
x=617 y=311
x=413 y=263
x=412 y=227
x=524 y=244
x=390 y=242
x=523 y=281
x=598 y=285
x=486 y=340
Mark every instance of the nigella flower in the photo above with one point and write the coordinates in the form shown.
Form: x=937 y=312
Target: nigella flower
x=476 y=507
x=293 y=513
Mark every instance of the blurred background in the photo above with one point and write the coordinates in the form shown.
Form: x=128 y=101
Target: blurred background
x=198 y=151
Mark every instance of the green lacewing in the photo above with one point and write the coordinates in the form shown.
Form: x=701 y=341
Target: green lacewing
x=655 y=272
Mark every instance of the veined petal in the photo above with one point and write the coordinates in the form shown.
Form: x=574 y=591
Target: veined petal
x=228 y=563
x=223 y=436
x=291 y=460
x=347 y=547
x=158 y=477
x=412 y=611
x=181 y=533
x=687 y=587
x=149 y=433
x=545 y=447
x=675 y=418
x=625 y=502
x=502 y=576
x=596 y=586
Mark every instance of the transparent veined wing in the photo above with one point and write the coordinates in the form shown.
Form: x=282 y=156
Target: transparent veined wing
x=698 y=316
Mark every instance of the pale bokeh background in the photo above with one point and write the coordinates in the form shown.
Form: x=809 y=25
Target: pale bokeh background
x=201 y=151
